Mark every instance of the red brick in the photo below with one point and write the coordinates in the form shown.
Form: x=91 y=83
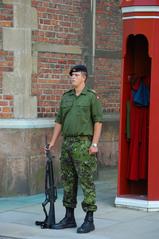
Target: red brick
x=63 y=22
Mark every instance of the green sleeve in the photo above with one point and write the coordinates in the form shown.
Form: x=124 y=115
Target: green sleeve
x=58 y=118
x=96 y=109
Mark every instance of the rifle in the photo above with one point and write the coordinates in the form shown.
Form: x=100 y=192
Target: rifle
x=50 y=192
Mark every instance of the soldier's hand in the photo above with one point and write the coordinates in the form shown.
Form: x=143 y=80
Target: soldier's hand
x=93 y=150
x=48 y=147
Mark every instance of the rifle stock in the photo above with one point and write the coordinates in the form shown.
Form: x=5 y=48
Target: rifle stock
x=50 y=193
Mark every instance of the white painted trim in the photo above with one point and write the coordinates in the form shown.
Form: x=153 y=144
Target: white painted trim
x=26 y=123
x=141 y=17
x=140 y=9
x=141 y=204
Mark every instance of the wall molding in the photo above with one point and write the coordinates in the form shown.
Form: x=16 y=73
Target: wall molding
x=43 y=122
x=108 y=54
x=57 y=48
x=26 y=123
x=18 y=39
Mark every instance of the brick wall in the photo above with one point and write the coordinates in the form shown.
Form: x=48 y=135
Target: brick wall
x=6 y=60
x=62 y=23
x=108 y=53
x=39 y=41
x=52 y=80
x=67 y=23
x=108 y=23
x=107 y=83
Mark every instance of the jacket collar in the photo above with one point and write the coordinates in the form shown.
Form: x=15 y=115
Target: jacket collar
x=84 y=91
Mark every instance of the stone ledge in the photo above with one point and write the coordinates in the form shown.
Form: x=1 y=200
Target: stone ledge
x=26 y=123
x=108 y=117
x=43 y=122
x=26 y=2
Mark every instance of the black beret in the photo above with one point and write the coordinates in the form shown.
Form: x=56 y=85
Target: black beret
x=78 y=68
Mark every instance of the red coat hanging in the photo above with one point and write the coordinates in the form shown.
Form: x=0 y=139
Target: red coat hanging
x=138 y=143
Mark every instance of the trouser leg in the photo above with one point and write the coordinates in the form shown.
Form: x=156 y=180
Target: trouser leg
x=86 y=165
x=69 y=179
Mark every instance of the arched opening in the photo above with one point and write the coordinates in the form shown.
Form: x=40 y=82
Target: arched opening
x=135 y=119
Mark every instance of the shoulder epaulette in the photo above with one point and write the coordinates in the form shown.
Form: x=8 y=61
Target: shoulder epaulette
x=67 y=91
x=93 y=91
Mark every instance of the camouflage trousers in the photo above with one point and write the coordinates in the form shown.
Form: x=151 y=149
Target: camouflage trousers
x=78 y=166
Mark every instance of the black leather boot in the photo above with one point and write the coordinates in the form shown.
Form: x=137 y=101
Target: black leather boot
x=68 y=221
x=88 y=224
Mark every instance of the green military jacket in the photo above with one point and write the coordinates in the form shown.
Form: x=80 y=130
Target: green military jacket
x=78 y=114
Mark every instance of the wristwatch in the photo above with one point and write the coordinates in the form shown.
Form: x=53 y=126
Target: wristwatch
x=94 y=145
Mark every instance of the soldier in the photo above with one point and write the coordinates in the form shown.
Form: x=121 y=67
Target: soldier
x=80 y=122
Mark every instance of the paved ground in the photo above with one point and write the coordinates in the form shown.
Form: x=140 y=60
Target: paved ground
x=18 y=214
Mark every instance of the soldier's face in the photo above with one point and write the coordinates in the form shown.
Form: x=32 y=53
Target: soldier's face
x=77 y=79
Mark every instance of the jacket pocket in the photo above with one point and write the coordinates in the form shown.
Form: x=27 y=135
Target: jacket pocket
x=66 y=107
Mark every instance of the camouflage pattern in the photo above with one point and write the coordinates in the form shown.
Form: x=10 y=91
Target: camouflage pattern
x=78 y=165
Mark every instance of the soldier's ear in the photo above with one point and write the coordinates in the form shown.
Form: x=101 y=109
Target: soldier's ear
x=84 y=75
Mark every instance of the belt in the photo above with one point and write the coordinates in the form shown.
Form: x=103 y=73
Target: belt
x=79 y=137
